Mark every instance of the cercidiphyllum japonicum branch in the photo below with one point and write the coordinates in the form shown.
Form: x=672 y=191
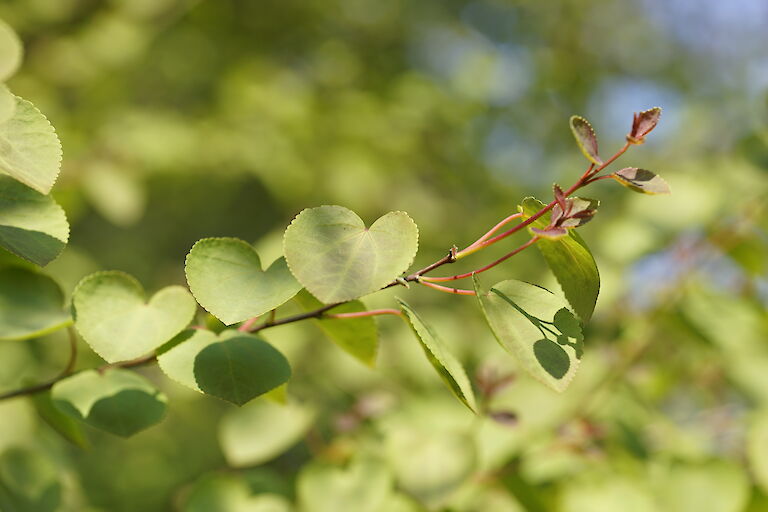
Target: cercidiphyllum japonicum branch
x=567 y=214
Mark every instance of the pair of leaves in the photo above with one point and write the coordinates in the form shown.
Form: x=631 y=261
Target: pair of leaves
x=570 y=260
x=336 y=258
x=536 y=327
x=642 y=124
x=234 y=366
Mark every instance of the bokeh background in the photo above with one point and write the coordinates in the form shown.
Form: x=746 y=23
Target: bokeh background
x=182 y=119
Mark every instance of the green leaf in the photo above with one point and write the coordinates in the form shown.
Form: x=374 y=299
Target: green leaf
x=11 y=51
x=31 y=304
x=336 y=258
x=641 y=180
x=234 y=366
x=262 y=430
x=117 y=401
x=585 y=138
x=365 y=486
x=32 y=225
x=30 y=151
x=357 y=336
x=31 y=480
x=225 y=276
x=57 y=420
x=442 y=360
x=530 y=322
x=113 y=318
x=570 y=260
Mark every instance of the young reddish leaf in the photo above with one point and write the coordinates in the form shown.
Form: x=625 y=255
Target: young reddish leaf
x=552 y=233
x=641 y=180
x=643 y=123
x=586 y=138
x=559 y=196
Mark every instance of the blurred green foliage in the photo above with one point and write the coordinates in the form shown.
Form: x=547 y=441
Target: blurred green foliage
x=183 y=119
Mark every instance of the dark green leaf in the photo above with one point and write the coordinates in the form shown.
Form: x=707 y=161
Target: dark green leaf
x=31 y=304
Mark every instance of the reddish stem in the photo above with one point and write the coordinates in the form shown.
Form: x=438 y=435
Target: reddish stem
x=445 y=289
x=494 y=229
x=246 y=326
x=482 y=269
x=360 y=314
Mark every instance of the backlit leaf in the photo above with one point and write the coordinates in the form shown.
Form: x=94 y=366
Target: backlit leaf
x=225 y=276
x=641 y=180
x=113 y=317
x=585 y=138
x=442 y=360
x=337 y=258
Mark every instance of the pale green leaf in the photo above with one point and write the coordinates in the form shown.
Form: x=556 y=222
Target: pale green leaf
x=336 y=258
x=357 y=336
x=528 y=321
x=31 y=481
x=225 y=276
x=31 y=304
x=30 y=151
x=585 y=138
x=117 y=401
x=442 y=360
x=641 y=180
x=262 y=430
x=11 y=51
x=113 y=317
x=365 y=486
x=234 y=366
x=571 y=262
x=32 y=225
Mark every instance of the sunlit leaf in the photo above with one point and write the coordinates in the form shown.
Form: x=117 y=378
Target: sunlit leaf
x=262 y=430
x=365 y=486
x=527 y=320
x=30 y=151
x=31 y=304
x=571 y=262
x=31 y=480
x=442 y=360
x=113 y=317
x=336 y=258
x=357 y=336
x=32 y=225
x=641 y=180
x=10 y=51
x=234 y=366
x=585 y=138
x=117 y=401
x=225 y=276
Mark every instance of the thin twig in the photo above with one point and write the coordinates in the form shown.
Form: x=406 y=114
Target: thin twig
x=481 y=269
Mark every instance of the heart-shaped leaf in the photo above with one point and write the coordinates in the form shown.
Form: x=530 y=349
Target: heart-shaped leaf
x=262 y=430
x=225 y=276
x=570 y=260
x=113 y=318
x=30 y=151
x=357 y=336
x=10 y=51
x=70 y=429
x=641 y=180
x=536 y=327
x=32 y=225
x=336 y=258
x=585 y=138
x=31 y=304
x=233 y=366
x=442 y=360
x=116 y=401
